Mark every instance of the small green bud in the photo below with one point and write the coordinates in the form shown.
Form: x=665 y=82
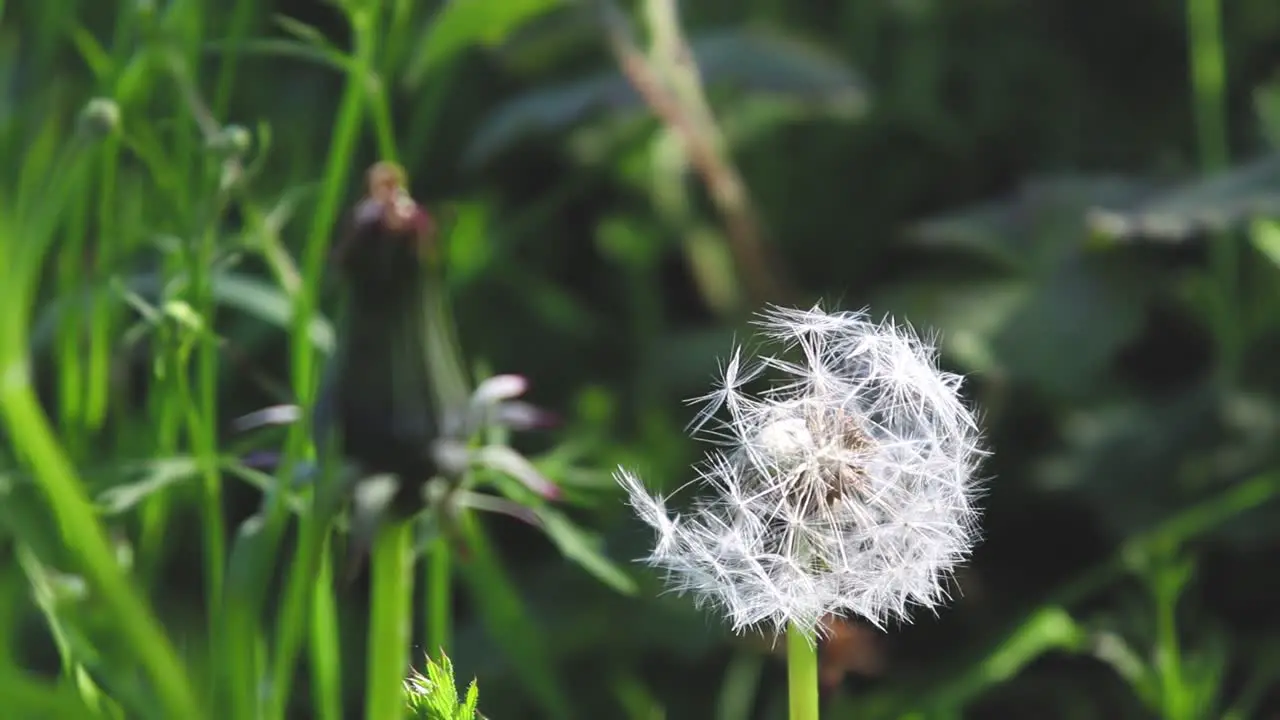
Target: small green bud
x=231 y=141
x=99 y=118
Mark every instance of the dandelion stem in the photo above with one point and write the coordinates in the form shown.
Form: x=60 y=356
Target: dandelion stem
x=802 y=674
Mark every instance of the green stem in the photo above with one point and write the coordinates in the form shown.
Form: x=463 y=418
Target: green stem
x=203 y=422
x=390 y=622
x=1209 y=86
x=105 y=315
x=241 y=23
x=802 y=674
x=326 y=655
x=342 y=146
x=439 y=588
x=1169 y=656
x=297 y=607
x=1208 y=81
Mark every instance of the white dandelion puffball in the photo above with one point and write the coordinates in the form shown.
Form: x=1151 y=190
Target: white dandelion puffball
x=847 y=487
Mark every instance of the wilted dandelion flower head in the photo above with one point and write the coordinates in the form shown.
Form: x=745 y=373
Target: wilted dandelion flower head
x=846 y=487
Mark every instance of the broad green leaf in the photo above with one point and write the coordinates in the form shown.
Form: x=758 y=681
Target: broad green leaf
x=1266 y=103
x=1054 y=289
x=769 y=66
x=1092 y=305
x=1266 y=238
x=768 y=61
x=967 y=314
x=1221 y=202
x=1034 y=226
x=461 y=24
x=267 y=303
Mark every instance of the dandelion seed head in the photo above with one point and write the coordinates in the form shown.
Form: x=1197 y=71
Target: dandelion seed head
x=846 y=486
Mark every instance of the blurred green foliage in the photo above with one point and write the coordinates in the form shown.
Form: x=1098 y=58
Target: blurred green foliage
x=1082 y=199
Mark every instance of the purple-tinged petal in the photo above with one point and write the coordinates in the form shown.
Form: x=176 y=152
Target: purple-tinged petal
x=519 y=415
x=275 y=415
x=502 y=506
x=508 y=461
x=498 y=388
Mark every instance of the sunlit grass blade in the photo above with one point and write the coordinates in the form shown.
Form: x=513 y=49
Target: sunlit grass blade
x=325 y=645
x=26 y=232
x=390 y=622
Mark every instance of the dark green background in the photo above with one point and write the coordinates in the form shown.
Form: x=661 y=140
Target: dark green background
x=1118 y=388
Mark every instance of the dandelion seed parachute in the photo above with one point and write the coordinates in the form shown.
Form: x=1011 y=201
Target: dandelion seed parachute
x=848 y=486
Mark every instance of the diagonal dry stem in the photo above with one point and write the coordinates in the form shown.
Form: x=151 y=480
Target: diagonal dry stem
x=679 y=103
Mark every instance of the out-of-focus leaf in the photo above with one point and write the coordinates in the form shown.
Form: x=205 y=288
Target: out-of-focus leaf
x=1049 y=628
x=471 y=248
x=1034 y=225
x=463 y=23
x=1046 y=630
x=1111 y=648
x=583 y=548
x=1085 y=305
x=967 y=314
x=508 y=621
x=1018 y=328
x=1222 y=202
x=539 y=45
x=1117 y=457
x=687 y=361
x=250 y=295
x=152 y=476
x=767 y=61
x=637 y=698
x=656 y=621
x=740 y=686
x=548 y=109
x=24 y=515
x=1266 y=238
x=551 y=302
x=1054 y=291
x=1263 y=674
x=30 y=698
x=783 y=69
x=747 y=119
x=1266 y=103
x=267 y=303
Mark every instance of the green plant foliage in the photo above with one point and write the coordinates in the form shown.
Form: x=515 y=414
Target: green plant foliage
x=434 y=696
x=1080 y=200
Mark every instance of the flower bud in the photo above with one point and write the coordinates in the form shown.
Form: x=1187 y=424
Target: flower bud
x=99 y=118
x=230 y=142
x=498 y=388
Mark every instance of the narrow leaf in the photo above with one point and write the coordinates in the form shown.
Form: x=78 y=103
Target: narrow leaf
x=583 y=548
